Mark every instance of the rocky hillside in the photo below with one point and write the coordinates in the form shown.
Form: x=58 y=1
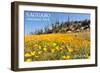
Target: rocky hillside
x=63 y=27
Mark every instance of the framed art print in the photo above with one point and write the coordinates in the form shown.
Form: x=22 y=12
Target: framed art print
x=52 y=36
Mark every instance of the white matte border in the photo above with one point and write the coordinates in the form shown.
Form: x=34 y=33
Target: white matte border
x=23 y=64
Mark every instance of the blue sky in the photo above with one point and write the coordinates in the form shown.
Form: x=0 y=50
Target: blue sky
x=34 y=20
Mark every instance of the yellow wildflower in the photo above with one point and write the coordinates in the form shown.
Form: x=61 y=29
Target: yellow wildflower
x=70 y=50
x=45 y=49
x=57 y=48
x=28 y=55
x=61 y=48
x=66 y=57
x=39 y=47
x=28 y=60
x=33 y=53
x=39 y=52
x=52 y=50
x=36 y=45
x=54 y=44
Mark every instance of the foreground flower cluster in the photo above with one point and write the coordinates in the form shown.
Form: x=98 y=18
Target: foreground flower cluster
x=56 y=47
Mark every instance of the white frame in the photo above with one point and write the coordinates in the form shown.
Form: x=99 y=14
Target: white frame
x=23 y=64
